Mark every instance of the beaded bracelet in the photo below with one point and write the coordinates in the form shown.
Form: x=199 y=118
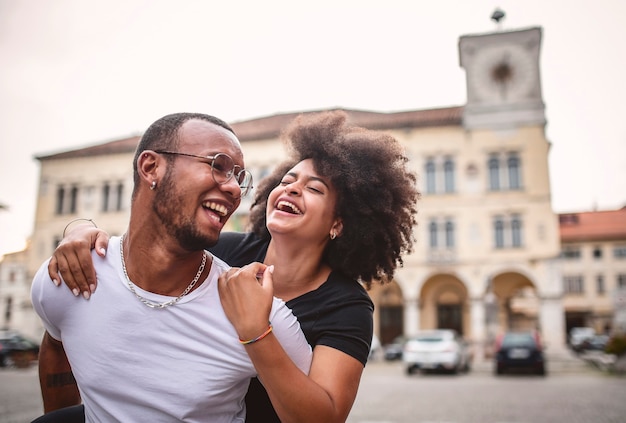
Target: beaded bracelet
x=76 y=220
x=258 y=338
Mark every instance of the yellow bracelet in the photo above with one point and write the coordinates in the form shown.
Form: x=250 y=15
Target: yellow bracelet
x=258 y=338
x=76 y=220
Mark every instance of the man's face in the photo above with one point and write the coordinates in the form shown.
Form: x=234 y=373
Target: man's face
x=192 y=206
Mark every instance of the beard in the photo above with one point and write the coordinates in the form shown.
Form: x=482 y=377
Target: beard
x=184 y=229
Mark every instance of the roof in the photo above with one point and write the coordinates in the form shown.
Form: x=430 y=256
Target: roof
x=593 y=226
x=271 y=127
x=125 y=145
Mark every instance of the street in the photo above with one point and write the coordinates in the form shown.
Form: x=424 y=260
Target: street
x=572 y=392
x=20 y=400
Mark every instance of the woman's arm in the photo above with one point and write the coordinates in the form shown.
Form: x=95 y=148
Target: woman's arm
x=325 y=394
x=71 y=261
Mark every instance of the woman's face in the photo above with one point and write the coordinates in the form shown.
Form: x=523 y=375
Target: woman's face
x=303 y=205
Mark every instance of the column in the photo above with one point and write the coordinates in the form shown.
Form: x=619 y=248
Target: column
x=478 y=316
x=411 y=316
x=552 y=321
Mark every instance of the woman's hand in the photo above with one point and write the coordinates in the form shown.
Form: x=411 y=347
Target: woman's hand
x=71 y=261
x=246 y=294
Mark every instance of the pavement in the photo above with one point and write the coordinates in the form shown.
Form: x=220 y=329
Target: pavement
x=605 y=362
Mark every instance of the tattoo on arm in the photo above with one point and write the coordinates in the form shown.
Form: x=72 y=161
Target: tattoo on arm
x=57 y=380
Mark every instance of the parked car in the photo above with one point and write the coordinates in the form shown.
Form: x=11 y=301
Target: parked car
x=519 y=351
x=393 y=350
x=375 y=347
x=17 y=350
x=441 y=349
x=577 y=336
x=595 y=343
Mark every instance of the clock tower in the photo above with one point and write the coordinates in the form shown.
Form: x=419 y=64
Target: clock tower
x=503 y=80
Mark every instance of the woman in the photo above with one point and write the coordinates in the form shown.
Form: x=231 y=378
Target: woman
x=339 y=211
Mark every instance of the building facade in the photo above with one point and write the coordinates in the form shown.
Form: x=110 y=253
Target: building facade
x=15 y=305
x=488 y=250
x=593 y=256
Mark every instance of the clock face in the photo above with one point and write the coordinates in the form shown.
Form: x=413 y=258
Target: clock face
x=502 y=73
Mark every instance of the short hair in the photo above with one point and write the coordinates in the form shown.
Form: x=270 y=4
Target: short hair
x=163 y=135
x=376 y=193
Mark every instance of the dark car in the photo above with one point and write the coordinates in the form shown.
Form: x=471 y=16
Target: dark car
x=517 y=351
x=16 y=350
x=393 y=350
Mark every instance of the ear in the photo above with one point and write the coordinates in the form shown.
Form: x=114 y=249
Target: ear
x=337 y=227
x=148 y=165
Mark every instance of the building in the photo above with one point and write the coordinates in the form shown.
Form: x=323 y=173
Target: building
x=593 y=255
x=488 y=255
x=488 y=241
x=15 y=305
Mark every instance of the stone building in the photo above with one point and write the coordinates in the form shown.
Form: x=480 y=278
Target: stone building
x=487 y=251
x=490 y=255
x=593 y=255
x=15 y=306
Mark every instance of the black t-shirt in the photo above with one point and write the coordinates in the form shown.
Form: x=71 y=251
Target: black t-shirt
x=338 y=314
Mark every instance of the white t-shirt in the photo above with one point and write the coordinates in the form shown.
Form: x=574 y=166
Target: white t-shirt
x=133 y=363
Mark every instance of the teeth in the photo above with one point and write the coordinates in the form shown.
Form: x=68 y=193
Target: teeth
x=292 y=207
x=218 y=208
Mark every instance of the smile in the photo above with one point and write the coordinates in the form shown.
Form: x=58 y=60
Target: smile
x=217 y=208
x=287 y=207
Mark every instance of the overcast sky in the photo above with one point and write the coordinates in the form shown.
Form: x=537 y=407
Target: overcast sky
x=80 y=72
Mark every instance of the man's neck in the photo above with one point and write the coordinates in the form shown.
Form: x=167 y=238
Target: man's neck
x=161 y=269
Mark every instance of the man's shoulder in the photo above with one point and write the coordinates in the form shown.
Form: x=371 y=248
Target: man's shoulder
x=42 y=276
x=220 y=264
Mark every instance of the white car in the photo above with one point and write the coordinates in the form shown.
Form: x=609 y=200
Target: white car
x=578 y=336
x=440 y=349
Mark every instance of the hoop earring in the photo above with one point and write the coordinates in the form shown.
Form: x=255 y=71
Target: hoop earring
x=153 y=186
x=333 y=235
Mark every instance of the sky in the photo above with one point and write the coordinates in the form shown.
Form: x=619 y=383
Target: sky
x=75 y=73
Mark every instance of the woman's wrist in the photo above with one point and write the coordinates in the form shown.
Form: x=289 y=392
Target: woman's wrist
x=258 y=338
x=80 y=219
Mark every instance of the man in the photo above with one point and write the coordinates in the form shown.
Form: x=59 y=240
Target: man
x=155 y=344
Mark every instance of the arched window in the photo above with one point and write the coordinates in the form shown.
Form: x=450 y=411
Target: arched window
x=516 y=231
x=60 y=199
x=448 y=174
x=106 y=196
x=119 y=203
x=513 y=164
x=432 y=232
x=431 y=176
x=73 y=199
x=449 y=234
x=498 y=230
x=494 y=173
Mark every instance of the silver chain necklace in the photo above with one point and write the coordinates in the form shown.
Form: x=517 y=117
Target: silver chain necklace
x=167 y=303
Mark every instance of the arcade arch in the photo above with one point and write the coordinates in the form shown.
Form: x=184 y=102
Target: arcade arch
x=444 y=304
x=516 y=302
x=389 y=311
